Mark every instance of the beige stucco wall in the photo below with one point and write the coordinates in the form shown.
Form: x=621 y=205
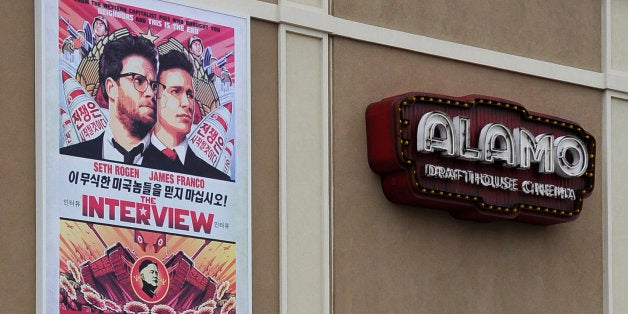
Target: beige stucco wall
x=619 y=50
x=565 y=32
x=17 y=158
x=390 y=258
x=265 y=167
x=617 y=113
x=619 y=109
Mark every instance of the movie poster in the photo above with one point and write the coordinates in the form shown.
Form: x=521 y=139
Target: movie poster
x=145 y=134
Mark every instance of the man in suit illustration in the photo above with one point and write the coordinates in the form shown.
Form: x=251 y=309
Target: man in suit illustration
x=169 y=148
x=149 y=273
x=127 y=73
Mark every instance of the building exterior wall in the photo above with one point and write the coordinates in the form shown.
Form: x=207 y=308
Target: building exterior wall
x=325 y=238
x=563 y=32
x=616 y=100
x=619 y=108
x=17 y=160
x=265 y=176
x=416 y=258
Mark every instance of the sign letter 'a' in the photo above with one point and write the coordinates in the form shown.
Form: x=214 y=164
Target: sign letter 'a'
x=480 y=158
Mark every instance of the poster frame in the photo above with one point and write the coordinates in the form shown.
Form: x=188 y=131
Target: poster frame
x=46 y=58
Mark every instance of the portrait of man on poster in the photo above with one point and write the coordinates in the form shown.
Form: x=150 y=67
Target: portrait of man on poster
x=168 y=149
x=127 y=77
x=149 y=274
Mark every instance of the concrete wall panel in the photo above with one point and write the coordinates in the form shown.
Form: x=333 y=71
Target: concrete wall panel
x=564 y=32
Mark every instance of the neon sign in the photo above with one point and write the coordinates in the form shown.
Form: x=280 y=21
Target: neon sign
x=480 y=158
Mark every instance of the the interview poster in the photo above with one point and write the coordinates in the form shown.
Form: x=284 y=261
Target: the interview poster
x=145 y=137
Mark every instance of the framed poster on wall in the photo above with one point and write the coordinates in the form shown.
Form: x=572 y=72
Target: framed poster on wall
x=143 y=139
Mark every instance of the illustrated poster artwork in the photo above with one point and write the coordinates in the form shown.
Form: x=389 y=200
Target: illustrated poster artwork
x=107 y=269
x=100 y=48
x=147 y=159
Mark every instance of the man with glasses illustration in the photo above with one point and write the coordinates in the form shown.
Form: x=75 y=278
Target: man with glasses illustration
x=168 y=148
x=127 y=81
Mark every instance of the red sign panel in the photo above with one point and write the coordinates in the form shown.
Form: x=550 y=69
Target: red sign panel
x=480 y=158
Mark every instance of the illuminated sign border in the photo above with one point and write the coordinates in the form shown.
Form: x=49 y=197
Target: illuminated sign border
x=389 y=131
